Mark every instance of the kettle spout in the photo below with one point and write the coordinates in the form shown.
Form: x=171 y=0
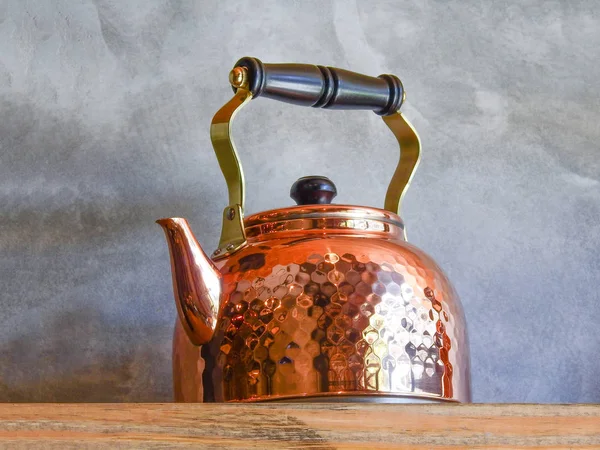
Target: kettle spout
x=196 y=281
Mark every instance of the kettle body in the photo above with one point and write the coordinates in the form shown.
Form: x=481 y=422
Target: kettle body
x=336 y=307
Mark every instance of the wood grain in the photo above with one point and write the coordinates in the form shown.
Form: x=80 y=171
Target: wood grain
x=281 y=425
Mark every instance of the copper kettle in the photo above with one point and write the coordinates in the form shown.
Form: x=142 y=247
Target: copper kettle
x=316 y=301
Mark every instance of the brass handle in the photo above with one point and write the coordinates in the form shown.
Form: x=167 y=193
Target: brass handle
x=233 y=235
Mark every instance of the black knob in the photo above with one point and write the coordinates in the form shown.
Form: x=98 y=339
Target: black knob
x=313 y=190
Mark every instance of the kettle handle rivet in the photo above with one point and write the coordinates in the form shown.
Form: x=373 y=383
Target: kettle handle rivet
x=230 y=214
x=238 y=77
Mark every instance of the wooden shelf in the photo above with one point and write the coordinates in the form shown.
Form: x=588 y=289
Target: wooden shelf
x=280 y=425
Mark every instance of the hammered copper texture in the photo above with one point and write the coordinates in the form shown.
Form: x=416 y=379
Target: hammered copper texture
x=367 y=316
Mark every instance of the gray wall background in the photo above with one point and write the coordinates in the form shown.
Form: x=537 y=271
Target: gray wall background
x=104 y=114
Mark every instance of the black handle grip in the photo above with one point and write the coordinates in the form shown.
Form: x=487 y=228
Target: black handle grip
x=323 y=87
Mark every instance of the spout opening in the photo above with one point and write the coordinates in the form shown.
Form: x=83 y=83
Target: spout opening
x=165 y=222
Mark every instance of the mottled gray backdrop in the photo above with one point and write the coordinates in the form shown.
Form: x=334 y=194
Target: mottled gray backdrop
x=104 y=113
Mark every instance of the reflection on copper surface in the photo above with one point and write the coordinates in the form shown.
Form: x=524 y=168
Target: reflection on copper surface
x=188 y=367
x=333 y=305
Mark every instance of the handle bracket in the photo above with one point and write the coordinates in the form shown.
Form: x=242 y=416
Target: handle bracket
x=233 y=235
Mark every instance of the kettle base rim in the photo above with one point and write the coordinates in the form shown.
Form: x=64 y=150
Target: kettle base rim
x=348 y=397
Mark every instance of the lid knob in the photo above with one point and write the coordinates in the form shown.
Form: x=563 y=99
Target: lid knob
x=313 y=190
